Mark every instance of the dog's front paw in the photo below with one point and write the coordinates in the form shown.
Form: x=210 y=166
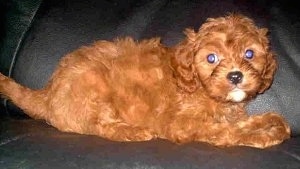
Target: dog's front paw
x=264 y=131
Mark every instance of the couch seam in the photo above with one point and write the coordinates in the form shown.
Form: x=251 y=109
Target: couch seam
x=14 y=56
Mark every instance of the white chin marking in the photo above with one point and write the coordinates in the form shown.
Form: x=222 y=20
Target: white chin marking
x=236 y=95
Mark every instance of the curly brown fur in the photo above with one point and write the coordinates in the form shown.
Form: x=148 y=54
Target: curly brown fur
x=137 y=91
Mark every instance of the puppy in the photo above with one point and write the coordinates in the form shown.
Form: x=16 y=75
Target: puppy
x=136 y=91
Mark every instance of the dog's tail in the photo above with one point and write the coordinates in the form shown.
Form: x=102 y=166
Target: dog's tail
x=32 y=102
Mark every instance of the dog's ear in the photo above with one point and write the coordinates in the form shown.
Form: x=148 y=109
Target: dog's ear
x=270 y=66
x=182 y=62
x=269 y=71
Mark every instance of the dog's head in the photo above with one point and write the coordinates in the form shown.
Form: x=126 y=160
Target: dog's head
x=229 y=57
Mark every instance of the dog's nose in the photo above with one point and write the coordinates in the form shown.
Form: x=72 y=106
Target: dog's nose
x=235 y=77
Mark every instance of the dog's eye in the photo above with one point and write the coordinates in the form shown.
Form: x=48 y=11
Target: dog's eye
x=212 y=58
x=249 y=54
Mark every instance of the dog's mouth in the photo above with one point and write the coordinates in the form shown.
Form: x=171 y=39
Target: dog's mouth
x=236 y=95
x=235 y=87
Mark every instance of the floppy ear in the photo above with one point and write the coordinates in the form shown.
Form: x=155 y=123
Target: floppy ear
x=268 y=72
x=271 y=63
x=182 y=62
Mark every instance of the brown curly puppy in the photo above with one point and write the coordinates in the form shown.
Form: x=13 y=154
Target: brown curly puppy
x=136 y=91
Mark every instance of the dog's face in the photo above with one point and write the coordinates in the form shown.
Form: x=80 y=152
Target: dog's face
x=231 y=58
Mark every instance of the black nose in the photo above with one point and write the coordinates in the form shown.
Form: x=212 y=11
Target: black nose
x=235 y=77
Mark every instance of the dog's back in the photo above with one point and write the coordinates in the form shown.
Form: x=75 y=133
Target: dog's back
x=108 y=82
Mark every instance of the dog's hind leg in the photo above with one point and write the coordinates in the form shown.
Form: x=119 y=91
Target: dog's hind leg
x=123 y=132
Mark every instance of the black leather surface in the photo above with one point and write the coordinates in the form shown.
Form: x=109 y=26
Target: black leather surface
x=16 y=18
x=23 y=145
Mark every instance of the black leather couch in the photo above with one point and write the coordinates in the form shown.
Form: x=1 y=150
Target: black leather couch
x=35 y=34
